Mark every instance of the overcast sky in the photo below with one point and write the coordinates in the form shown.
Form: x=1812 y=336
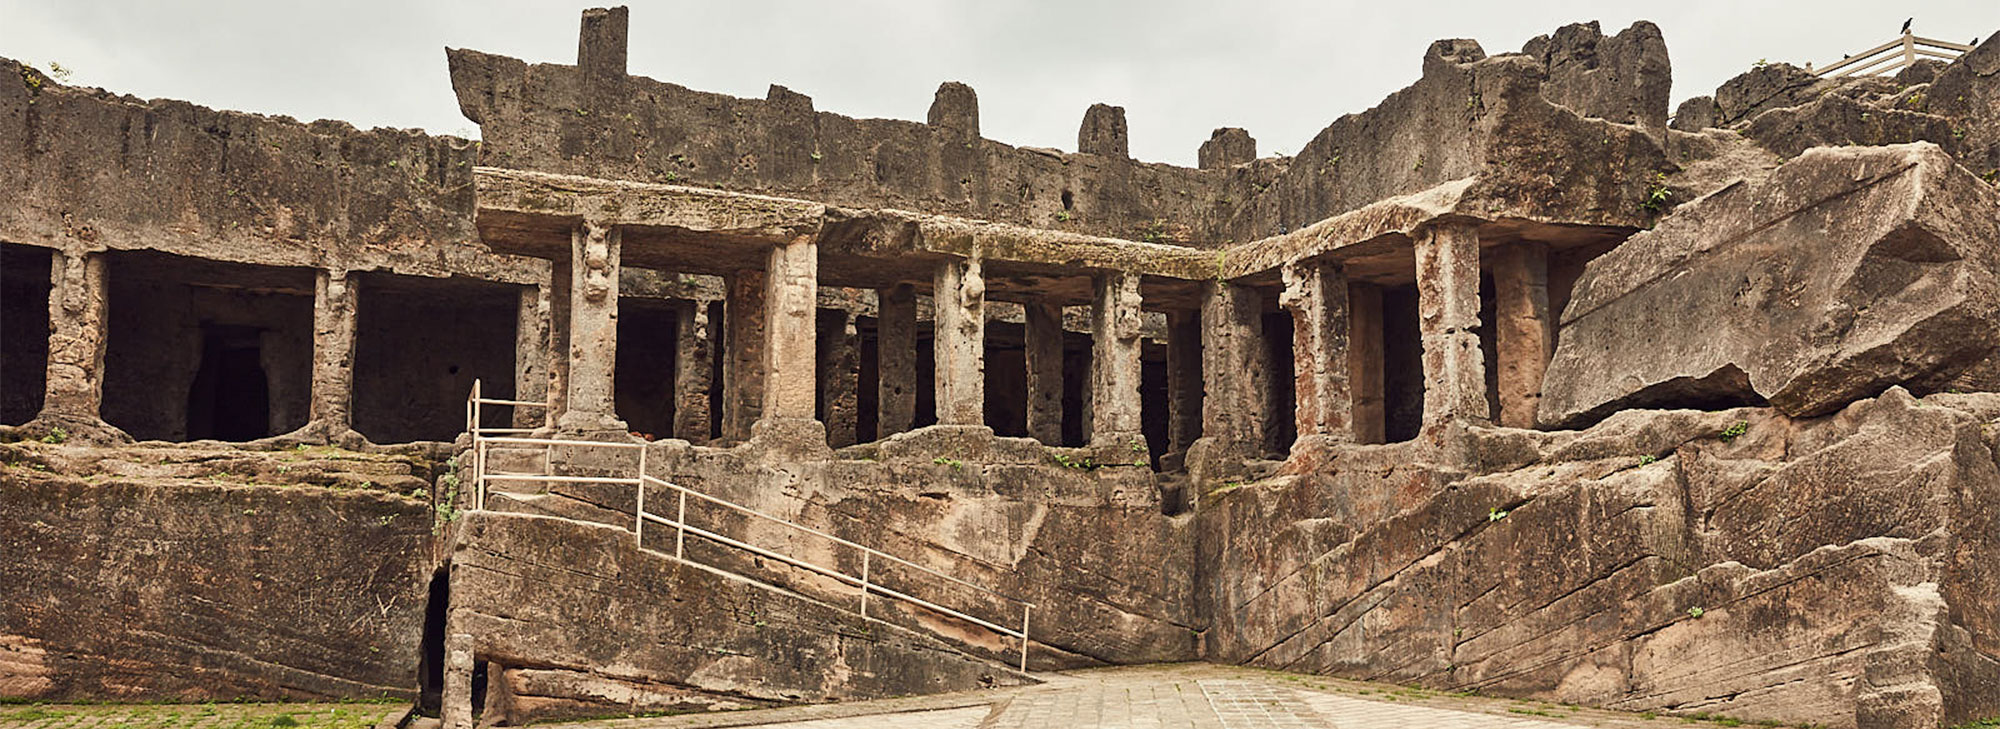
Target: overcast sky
x=1283 y=69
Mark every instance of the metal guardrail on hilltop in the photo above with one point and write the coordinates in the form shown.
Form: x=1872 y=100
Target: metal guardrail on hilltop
x=1897 y=54
x=484 y=438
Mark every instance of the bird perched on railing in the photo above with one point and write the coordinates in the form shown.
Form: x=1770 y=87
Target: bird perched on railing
x=1906 y=26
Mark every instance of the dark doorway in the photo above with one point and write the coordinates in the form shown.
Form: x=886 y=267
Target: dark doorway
x=24 y=331
x=430 y=665
x=1281 y=406
x=231 y=396
x=1403 y=364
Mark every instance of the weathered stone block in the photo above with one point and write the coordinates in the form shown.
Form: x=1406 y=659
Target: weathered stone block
x=1849 y=271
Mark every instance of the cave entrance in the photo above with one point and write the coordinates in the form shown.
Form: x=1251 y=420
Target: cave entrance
x=24 y=330
x=430 y=661
x=1402 y=365
x=231 y=395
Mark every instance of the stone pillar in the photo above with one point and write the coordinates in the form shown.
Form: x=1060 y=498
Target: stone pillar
x=1448 y=316
x=1114 y=360
x=743 y=359
x=694 y=360
x=557 y=355
x=593 y=329
x=840 y=377
x=1316 y=295
x=1525 y=336
x=1043 y=335
x=959 y=342
x=791 y=299
x=531 y=354
x=895 y=359
x=74 y=391
x=1184 y=384
x=1103 y=132
x=331 y=409
x=1232 y=368
x=1366 y=364
x=455 y=705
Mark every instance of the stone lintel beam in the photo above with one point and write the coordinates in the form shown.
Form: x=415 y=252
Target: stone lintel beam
x=1316 y=295
x=330 y=412
x=593 y=330
x=74 y=391
x=743 y=316
x=959 y=342
x=1525 y=336
x=790 y=328
x=694 y=357
x=896 y=359
x=1043 y=335
x=1448 y=319
x=1115 y=361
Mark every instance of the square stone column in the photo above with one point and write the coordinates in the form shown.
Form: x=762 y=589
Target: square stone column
x=895 y=359
x=1366 y=364
x=790 y=331
x=74 y=391
x=694 y=362
x=1448 y=317
x=1184 y=384
x=1233 y=375
x=840 y=377
x=1115 y=321
x=1525 y=336
x=593 y=330
x=531 y=354
x=1316 y=295
x=557 y=355
x=959 y=342
x=331 y=410
x=743 y=314
x=1043 y=335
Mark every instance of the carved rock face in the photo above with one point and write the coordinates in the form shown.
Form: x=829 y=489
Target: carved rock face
x=1850 y=270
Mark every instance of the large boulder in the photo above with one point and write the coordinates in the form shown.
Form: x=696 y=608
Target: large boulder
x=1848 y=271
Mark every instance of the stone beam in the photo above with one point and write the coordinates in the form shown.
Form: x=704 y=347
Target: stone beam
x=694 y=362
x=1043 y=334
x=74 y=391
x=1316 y=295
x=1115 y=361
x=593 y=330
x=1525 y=337
x=959 y=342
x=896 y=359
x=1448 y=317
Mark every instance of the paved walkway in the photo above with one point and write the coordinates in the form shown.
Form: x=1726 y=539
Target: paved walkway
x=1180 y=696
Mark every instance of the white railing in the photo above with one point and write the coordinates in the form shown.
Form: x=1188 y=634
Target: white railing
x=484 y=438
x=1892 y=56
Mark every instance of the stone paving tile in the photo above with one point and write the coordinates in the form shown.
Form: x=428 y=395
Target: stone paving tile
x=1353 y=713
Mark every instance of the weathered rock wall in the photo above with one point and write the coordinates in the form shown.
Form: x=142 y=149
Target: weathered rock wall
x=1828 y=570
x=554 y=606
x=89 y=170
x=123 y=584
x=1846 y=272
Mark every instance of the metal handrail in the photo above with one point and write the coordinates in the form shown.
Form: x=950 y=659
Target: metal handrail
x=482 y=442
x=1900 y=54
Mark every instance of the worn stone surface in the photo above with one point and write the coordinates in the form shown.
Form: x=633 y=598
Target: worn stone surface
x=188 y=574
x=1849 y=271
x=1696 y=114
x=1624 y=78
x=1761 y=89
x=1735 y=574
x=958 y=342
x=1114 y=363
x=1227 y=147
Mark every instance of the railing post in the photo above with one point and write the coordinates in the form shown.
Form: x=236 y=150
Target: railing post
x=1909 y=50
x=478 y=474
x=639 y=509
x=680 y=526
x=476 y=396
x=864 y=584
x=1026 y=608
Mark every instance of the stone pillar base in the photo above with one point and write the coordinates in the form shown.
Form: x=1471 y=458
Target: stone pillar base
x=76 y=429
x=1213 y=461
x=802 y=439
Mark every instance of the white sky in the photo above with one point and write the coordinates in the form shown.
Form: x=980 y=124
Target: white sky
x=1283 y=69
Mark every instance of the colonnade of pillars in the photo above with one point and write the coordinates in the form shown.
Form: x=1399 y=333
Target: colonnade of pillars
x=770 y=356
